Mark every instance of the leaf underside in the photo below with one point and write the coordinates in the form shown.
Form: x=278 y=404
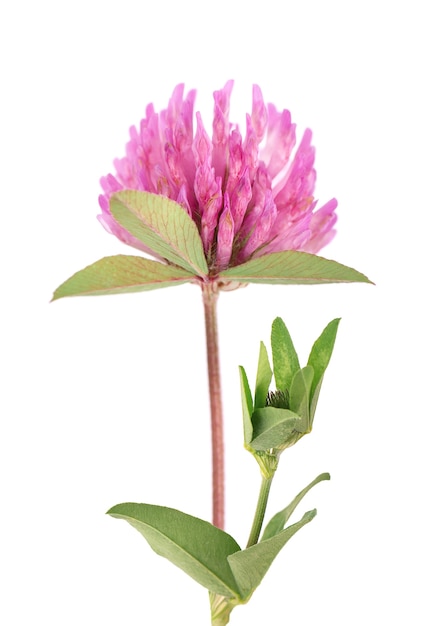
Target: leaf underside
x=250 y=566
x=122 y=274
x=293 y=268
x=272 y=427
x=278 y=521
x=207 y=554
x=195 y=546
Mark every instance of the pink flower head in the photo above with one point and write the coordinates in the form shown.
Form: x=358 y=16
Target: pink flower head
x=247 y=194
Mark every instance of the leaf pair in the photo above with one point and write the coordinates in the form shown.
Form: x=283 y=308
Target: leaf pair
x=163 y=228
x=160 y=225
x=277 y=420
x=209 y=555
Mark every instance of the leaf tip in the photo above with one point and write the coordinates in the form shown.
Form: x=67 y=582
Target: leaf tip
x=56 y=295
x=115 y=510
x=309 y=515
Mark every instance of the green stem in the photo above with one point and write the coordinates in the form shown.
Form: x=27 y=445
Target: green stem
x=221 y=608
x=260 y=510
x=210 y=295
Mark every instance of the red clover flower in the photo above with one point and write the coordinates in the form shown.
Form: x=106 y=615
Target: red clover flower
x=248 y=195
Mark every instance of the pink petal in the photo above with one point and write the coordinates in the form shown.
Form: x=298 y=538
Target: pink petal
x=221 y=124
x=322 y=222
x=280 y=141
x=240 y=199
x=245 y=200
x=225 y=236
x=208 y=191
x=299 y=181
x=258 y=236
x=251 y=149
x=259 y=115
x=202 y=146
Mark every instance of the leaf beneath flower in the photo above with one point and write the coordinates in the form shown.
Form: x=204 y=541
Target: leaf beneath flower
x=193 y=545
x=293 y=268
x=162 y=225
x=250 y=566
x=122 y=274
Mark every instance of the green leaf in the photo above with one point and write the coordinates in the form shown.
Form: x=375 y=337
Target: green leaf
x=122 y=274
x=285 y=359
x=293 y=268
x=263 y=377
x=195 y=546
x=277 y=523
x=314 y=401
x=319 y=358
x=299 y=397
x=250 y=566
x=162 y=225
x=272 y=427
x=247 y=405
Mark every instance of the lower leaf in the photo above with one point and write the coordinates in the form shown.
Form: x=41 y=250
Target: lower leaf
x=278 y=521
x=197 y=547
x=250 y=566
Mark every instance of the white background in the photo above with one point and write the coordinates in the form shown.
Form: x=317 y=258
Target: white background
x=104 y=400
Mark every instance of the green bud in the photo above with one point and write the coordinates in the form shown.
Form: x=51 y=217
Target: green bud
x=288 y=411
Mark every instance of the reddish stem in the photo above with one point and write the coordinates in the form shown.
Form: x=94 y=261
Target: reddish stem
x=210 y=295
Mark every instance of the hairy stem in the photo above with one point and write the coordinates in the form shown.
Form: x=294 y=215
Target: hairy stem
x=210 y=295
x=265 y=487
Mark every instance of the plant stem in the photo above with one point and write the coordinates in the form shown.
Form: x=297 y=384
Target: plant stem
x=265 y=487
x=210 y=295
x=221 y=608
